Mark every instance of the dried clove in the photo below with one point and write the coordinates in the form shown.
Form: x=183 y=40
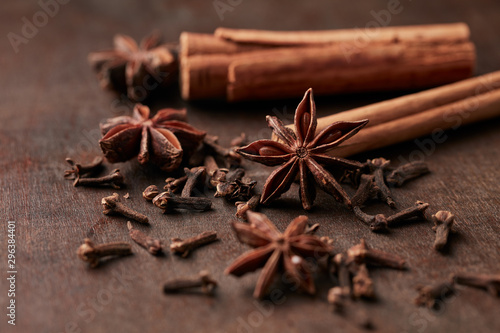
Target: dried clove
x=489 y=282
x=167 y=202
x=443 y=223
x=152 y=245
x=150 y=192
x=175 y=185
x=194 y=176
x=115 y=180
x=91 y=253
x=367 y=189
x=215 y=174
x=236 y=187
x=375 y=222
x=203 y=281
x=361 y=253
x=429 y=295
x=377 y=167
x=228 y=187
x=243 y=190
x=407 y=172
x=79 y=170
x=243 y=206
x=344 y=276
x=380 y=222
x=417 y=211
x=184 y=247
x=362 y=284
x=112 y=205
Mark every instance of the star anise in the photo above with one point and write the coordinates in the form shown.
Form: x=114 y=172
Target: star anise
x=276 y=252
x=136 y=69
x=302 y=152
x=160 y=140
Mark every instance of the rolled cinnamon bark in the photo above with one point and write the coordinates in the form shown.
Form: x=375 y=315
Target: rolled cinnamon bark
x=253 y=64
x=269 y=74
x=433 y=121
x=435 y=33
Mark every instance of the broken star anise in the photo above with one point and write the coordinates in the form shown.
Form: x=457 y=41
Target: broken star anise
x=161 y=140
x=303 y=152
x=136 y=69
x=276 y=252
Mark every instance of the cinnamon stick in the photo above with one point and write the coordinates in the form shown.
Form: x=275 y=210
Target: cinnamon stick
x=333 y=61
x=269 y=74
x=433 y=121
x=434 y=33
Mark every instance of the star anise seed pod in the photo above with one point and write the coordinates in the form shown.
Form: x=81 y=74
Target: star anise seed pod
x=160 y=140
x=276 y=251
x=136 y=69
x=302 y=152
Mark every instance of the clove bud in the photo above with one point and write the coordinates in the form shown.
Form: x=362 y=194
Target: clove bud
x=443 y=223
x=407 y=172
x=484 y=281
x=361 y=253
x=93 y=253
x=429 y=295
x=175 y=185
x=203 y=281
x=81 y=170
x=150 y=192
x=184 y=247
x=166 y=202
x=242 y=207
x=112 y=205
x=377 y=167
x=194 y=176
x=115 y=180
x=152 y=245
x=362 y=284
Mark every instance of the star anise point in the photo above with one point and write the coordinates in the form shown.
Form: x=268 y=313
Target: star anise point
x=132 y=67
x=276 y=251
x=303 y=153
x=161 y=140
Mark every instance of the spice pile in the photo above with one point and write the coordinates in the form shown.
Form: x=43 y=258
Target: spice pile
x=168 y=142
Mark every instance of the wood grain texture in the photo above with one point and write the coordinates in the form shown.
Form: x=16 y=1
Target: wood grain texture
x=50 y=106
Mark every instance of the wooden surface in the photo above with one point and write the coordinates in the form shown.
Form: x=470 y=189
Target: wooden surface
x=50 y=107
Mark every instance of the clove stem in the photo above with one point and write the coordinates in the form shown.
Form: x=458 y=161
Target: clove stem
x=185 y=246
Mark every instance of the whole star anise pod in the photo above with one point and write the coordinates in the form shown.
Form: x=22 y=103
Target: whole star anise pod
x=276 y=252
x=303 y=152
x=136 y=69
x=159 y=140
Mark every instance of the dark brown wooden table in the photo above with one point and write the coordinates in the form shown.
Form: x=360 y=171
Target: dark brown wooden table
x=50 y=107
